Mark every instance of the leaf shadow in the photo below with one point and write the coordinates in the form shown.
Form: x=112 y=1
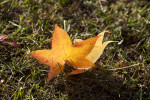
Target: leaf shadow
x=95 y=84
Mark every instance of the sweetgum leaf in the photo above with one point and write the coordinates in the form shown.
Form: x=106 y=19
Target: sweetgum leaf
x=63 y=51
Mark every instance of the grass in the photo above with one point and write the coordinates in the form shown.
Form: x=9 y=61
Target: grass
x=30 y=24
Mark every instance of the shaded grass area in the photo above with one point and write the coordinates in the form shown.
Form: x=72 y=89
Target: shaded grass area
x=122 y=72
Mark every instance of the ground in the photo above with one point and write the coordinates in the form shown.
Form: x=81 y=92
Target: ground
x=121 y=73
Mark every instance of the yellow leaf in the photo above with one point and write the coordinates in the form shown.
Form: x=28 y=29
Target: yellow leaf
x=63 y=51
x=98 y=48
x=95 y=53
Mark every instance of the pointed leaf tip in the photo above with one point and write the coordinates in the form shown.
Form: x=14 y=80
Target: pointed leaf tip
x=56 y=25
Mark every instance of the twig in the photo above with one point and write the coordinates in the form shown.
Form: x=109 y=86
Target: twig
x=124 y=67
